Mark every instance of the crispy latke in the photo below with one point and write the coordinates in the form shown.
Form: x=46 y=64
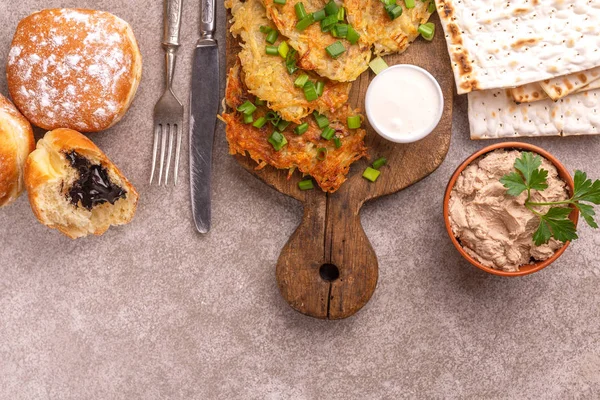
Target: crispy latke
x=267 y=77
x=302 y=151
x=311 y=43
x=371 y=21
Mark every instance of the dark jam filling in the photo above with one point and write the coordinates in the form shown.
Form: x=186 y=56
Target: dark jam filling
x=93 y=187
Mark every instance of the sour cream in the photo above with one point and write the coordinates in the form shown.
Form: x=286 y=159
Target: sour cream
x=404 y=103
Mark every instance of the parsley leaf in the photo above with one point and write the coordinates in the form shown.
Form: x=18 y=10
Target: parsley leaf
x=531 y=177
x=514 y=183
x=587 y=212
x=543 y=233
x=585 y=189
x=555 y=223
x=563 y=229
x=538 y=180
x=527 y=164
x=556 y=213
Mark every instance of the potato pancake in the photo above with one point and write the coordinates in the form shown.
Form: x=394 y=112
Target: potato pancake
x=371 y=21
x=311 y=43
x=309 y=153
x=267 y=77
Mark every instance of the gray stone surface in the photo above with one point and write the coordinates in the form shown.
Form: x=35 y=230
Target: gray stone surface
x=154 y=311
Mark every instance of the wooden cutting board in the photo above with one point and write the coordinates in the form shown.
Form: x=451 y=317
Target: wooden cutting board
x=328 y=268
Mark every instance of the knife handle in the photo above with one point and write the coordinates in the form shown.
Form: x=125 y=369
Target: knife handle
x=207 y=20
x=172 y=22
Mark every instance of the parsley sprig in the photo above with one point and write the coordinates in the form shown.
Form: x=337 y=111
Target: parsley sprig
x=555 y=223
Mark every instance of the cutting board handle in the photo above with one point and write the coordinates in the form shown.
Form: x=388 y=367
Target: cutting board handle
x=328 y=269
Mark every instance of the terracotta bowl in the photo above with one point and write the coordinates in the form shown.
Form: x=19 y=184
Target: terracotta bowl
x=562 y=172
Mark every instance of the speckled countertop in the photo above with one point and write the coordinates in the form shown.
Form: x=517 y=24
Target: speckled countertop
x=155 y=311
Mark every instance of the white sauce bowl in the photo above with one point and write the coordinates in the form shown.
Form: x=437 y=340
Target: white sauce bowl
x=386 y=94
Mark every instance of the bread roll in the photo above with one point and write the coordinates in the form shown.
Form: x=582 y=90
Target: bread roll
x=75 y=188
x=16 y=142
x=73 y=68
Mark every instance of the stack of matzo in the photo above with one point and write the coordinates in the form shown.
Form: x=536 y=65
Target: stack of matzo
x=531 y=67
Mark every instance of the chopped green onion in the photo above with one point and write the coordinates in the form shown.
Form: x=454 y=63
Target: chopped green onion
x=409 y=3
x=279 y=1
x=371 y=174
x=388 y=2
x=321 y=120
x=283 y=49
x=328 y=133
x=319 y=15
x=277 y=140
x=328 y=23
x=380 y=162
x=259 y=123
x=310 y=91
x=290 y=61
x=301 y=80
x=331 y=8
x=272 y=36
x=378 y=65
x=282 y=125
x=431 y=7
x=247 y=108
x=248 y=118
x=301 y=129
x=354 y=122
x=340 y=30
x=300 y=11
x=321 y=153
x=427 y=30
x=335 y=50
x=265 y=29
x=259 y=102
x=273 y=118
x=352 y=36
x=341 y=14
x=320 y=86
x=337 y=142
x=271 y=50
x=305 y=22
x=394 y=11
x=306 y=184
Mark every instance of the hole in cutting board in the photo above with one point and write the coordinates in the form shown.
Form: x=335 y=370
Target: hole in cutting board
x=329 y=272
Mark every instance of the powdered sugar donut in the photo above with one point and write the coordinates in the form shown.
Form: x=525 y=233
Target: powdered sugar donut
x=73 y=68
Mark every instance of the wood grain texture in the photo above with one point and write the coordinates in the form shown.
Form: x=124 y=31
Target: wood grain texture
x=330 y=231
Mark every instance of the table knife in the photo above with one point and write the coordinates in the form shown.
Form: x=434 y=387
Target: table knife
x=204 y=105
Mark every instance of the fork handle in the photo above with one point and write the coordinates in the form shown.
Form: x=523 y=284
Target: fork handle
x=172 y=27
x=172 y=22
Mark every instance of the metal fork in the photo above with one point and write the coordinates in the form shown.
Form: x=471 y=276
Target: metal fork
x=168 y=112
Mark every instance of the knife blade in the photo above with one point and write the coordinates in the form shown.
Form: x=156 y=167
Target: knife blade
x=204 y=105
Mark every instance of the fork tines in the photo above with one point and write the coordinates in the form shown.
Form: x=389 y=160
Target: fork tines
x=161 y=131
